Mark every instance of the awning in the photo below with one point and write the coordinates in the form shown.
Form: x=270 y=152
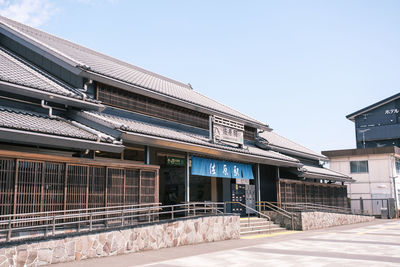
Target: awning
x=324 y=173
x=222 y=169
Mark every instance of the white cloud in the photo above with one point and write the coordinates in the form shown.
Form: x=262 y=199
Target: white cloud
x=31 y=12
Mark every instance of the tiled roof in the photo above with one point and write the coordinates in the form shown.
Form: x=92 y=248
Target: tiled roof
x=15 y=70
x=85 y=58
x=279 y=141
x=35 y=122
x=325 y=172
x=136 y=126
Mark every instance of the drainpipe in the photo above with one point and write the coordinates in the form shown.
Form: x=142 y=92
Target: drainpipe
x=187 y=179
x=85 y=88
x=392 y=165
x=258 y=187
x=43 y=104
x=210 y=128
x=98 y=134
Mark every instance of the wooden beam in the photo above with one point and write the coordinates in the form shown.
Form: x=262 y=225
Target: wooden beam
x=115 y=163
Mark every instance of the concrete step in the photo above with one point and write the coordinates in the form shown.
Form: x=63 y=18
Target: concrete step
x=262 y=227
x=263 y=231
x=266 y=223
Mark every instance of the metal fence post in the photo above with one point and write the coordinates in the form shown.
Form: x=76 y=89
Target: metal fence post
x=90 y=222
x=54 y=225
x=9 y=229
x=172 y=212
x=292 y=222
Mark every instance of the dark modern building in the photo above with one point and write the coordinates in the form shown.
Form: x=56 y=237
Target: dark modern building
x=80 y=129
x=375 y=163
x=378 y=125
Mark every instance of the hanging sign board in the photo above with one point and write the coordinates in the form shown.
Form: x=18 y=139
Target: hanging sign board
x=227 y=130
x=222 y=169
x=172 y=161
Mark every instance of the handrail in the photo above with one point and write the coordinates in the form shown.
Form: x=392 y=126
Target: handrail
x=304 y=206
x=247 y=207
x=50 y=213
x=279 y=210
x=100 y=219
x=248 y=214
x=275 y=208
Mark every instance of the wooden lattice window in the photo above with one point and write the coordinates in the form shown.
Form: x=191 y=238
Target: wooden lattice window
x=77 y=176
x=132 y=187
x=7 y=179
x=147 y=186
x=97 y=185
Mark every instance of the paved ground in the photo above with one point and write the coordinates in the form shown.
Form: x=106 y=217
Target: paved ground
x=369 y=244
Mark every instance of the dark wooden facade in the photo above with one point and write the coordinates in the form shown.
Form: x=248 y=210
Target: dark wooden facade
x=31 y=182
x=295 y=191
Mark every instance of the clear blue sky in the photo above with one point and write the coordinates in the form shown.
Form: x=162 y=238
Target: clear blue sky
x=299 y=66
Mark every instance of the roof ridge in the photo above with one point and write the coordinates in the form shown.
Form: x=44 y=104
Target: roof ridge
x=32 y=69
x=83 y=48
x=273 y=132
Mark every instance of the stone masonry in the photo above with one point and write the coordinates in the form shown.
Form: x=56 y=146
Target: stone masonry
x=319 y=220
x=116 y=242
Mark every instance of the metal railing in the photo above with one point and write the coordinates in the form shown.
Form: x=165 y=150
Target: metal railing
x=44 y=224
x=253 y=211
x=305 y=206
x=270 y=206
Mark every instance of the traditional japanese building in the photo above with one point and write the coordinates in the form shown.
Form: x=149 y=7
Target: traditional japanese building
x=80 y=129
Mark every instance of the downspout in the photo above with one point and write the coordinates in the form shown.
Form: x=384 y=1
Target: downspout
x=392 y=160
x=43 y=104
x=98 y=134
x=85 y=88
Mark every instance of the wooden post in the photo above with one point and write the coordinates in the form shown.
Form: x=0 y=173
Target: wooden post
x=124 y=202
x=106 y=188
x=15 y=187
x=65 y=188
x=278 y=188
x=140 y=187
x=156 y=189
x=87 y=187
x=42 y=188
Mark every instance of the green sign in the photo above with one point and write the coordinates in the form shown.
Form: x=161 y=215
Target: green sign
x=172 y=161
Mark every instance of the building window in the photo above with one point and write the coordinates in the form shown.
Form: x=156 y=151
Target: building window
x=358 y=166
x=397 y=166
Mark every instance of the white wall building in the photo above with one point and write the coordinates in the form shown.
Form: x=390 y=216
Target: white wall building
x=376 y=172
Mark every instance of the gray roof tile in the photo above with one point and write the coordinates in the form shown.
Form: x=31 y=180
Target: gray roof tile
x=325 y=171
x=35 y=122
x=136 y=126
x=16 y=70
x=80 y=56
x=279 y=141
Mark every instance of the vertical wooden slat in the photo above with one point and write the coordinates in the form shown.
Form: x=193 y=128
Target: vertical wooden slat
x=87 y=187
x=106 y=189
x=15 y=186
x=42 y=188
x=124 y=187
x=140 y=187
x=156 y=190
x=65 y=188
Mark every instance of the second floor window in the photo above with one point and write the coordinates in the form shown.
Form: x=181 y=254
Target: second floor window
x=359 y=166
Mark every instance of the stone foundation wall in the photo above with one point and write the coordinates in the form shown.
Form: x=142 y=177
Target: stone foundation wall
x=156 y=236
x=319 y=220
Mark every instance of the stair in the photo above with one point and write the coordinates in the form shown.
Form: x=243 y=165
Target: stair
x=255 y=226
